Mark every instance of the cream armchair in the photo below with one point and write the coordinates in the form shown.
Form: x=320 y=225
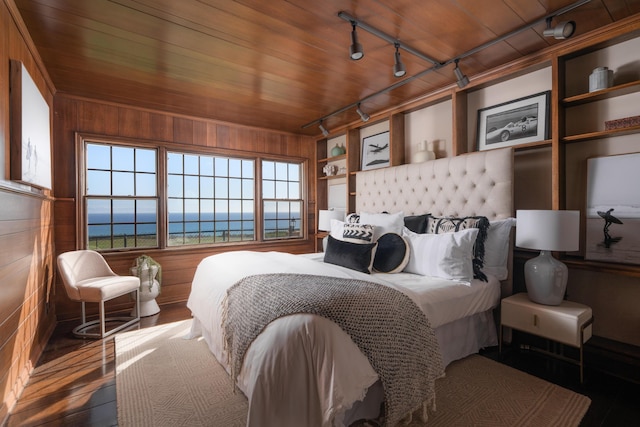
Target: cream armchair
x=88 y=278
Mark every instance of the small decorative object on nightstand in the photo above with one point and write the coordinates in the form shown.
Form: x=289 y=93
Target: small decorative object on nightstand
x=567 y=323
x=545 y=230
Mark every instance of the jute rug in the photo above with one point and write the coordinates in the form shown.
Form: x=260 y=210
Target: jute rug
x=165 y=380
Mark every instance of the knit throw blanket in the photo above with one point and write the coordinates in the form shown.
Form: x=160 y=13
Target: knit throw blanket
x=388 y=327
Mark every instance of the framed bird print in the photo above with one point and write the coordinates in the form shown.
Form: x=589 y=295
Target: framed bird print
x=613 y=209
x=375 y=151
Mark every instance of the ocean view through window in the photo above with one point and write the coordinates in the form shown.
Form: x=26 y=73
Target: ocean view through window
x=141 y=195
x=210 y=199
x=282 y=199
x=121 y=202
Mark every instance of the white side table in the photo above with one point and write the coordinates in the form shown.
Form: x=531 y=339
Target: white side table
x=568 y=323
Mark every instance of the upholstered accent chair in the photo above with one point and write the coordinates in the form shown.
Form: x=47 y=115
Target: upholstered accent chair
x=88 y=278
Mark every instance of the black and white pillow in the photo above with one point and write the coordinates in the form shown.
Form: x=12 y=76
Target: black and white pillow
x=357 y=233
x=392 y=254
x=438 y=225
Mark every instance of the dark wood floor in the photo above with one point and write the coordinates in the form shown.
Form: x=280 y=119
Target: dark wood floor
x=74 y=382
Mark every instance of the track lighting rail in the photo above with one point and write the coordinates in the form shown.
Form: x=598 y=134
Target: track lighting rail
x=384 y=36
x=435 y=64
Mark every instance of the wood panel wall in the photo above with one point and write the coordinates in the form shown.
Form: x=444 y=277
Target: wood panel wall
x=85 y=116
x=26 y=233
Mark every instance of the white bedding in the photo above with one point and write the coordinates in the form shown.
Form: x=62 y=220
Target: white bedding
x=315 y=378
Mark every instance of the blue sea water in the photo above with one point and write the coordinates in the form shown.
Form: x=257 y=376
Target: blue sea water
x=182 y=223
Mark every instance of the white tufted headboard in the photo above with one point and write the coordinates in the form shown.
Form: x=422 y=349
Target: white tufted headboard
x=479 y=183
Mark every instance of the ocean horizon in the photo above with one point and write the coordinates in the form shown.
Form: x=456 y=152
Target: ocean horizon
x=190 y=222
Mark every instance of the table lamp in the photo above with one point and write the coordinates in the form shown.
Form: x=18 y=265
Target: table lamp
x=547 y=230
x=325 y=217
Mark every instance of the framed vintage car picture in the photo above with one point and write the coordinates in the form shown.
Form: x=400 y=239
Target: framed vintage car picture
x=515 y=122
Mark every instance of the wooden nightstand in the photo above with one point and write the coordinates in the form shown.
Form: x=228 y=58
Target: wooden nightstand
x=568 y=323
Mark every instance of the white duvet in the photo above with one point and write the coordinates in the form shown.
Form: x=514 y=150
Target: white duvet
x=303 y=370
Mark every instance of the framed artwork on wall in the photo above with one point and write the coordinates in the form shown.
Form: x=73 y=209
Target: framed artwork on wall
x=375 y=151
x=515 y=122
x=613 y=209
x=30 y=130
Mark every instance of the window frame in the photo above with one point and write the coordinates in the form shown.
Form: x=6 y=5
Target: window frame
x=275 y=199
x=162 y=149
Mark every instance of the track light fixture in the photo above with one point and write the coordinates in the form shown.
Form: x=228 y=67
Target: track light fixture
x=355 y=50
x=461 y=79
x=324 y=130
x=364 y=116
x=563 y=30
x=399 y=69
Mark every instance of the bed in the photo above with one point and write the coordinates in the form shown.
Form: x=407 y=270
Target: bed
x=304 y=369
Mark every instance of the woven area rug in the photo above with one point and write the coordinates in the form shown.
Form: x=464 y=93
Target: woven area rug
x=164 y=380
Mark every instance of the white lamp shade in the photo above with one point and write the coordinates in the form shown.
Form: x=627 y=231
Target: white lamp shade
x=325 y=217
x=548 y=230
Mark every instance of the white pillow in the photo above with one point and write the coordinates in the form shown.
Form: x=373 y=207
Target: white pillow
x=384 y=223
x=446 y=255
x=337 y=229
x=496 y=248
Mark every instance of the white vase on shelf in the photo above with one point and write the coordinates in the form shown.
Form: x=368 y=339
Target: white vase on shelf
x=149 y=290
x=425 y=152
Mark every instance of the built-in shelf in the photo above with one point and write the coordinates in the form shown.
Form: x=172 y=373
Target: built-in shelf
x=533 y=145
x=342 y=175
x=610 y=92
x=601 y=134
x=333 y=158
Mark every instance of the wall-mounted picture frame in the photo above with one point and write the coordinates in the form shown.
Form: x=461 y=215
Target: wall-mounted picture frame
x=520 y=121
x=375 y=151
x=30 y=153
x=613 y=209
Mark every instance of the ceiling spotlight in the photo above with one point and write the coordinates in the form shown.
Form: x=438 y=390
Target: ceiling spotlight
x=364 y=116
x=324 y=130
x=355 y=50
x=398 y=67
x=462 y=80
x=563 y=30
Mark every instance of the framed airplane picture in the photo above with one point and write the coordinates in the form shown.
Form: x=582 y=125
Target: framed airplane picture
x=375 y=151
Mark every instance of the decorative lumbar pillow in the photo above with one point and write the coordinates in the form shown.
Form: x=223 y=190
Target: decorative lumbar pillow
x=438 y=225
x=357 y=233
x=496 y=248
x=417 y=223
x=446 y=255
x=392 y=253
x=358 y=257
x=384 y=222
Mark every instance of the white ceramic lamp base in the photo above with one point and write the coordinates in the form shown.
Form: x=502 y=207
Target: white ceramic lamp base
x=546 y=279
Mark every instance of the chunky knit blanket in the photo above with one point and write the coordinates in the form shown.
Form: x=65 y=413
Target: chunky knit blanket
x=388 y=327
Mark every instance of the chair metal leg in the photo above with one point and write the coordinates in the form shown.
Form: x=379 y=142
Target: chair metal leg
x=81 y=331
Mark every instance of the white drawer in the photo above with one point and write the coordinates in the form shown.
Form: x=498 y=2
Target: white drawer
x=556 y=322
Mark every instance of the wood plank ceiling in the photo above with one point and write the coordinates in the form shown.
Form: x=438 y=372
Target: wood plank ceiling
x=280 y=64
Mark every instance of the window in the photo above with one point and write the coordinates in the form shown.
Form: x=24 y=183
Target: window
x=281 y=199
x=137 y=197
x=210 y=199
x=121 y=203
